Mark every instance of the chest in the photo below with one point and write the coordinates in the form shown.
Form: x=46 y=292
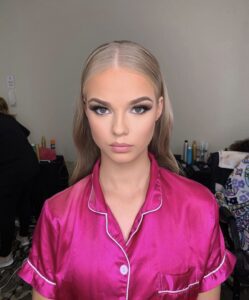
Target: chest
x=125 y=210
x=124 y=219
x=103 y=266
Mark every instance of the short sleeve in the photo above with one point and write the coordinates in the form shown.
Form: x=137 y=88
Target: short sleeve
x=39 y=268
x=220 y=262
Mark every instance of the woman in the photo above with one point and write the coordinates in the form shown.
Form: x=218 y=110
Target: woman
x=18 y=166
x=127 y=228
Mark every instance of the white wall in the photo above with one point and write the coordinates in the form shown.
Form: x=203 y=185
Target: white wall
x=203 y=48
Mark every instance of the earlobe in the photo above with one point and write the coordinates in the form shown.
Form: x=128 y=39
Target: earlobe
x=159 y=107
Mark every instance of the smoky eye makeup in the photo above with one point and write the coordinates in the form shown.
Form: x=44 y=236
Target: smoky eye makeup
x=141 y=108
x=138 y=106
x=98 y=109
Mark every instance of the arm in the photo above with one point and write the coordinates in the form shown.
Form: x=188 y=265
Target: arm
x=37 y=296
x=213 y=294
x=39 y=269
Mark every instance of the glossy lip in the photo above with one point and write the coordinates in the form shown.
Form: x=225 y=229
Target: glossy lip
x=120 y=147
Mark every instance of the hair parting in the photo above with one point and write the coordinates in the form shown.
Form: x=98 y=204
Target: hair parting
x=133 y=56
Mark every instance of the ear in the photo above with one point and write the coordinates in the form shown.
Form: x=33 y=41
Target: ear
x=160 y=104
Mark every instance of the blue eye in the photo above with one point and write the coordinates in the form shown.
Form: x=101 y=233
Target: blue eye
x=141 y=109
x=99 y=110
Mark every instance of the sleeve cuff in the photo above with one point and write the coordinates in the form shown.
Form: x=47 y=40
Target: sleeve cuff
x=40 y=283
x=220 y=274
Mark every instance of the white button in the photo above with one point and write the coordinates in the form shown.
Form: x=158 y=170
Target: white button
x=123 y=269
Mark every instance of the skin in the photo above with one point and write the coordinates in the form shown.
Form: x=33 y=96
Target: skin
x=122 y=107
x=119 y=117
x=118 y=114
x=37 y=296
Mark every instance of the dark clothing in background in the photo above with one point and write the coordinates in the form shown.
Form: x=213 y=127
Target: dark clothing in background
x=18 y=161
x=218 y=175
x=18 y=167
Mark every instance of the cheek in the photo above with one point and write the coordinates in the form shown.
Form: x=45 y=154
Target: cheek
x=145 y=129
x=98 y=129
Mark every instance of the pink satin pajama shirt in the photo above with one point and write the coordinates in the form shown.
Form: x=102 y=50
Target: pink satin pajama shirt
x=175 y=249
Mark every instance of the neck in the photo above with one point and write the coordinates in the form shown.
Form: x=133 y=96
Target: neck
x=122 y=176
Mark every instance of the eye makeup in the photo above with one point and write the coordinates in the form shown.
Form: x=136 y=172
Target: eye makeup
x=99 y=109
x=141 y=109
x=138 y=106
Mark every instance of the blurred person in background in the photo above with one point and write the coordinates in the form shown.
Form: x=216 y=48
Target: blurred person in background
x=18 y=167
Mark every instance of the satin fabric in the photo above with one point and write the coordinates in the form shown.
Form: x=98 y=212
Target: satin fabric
x=175 y=249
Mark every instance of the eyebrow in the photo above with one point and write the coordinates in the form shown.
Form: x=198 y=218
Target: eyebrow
x=132 y=102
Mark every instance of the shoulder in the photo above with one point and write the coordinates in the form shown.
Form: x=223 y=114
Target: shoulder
x=10 y=126
x=185 y=192
x=181 y=184
x=193 y=204
x=6 y=119
x=68 y=200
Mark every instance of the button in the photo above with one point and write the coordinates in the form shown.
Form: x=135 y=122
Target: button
x=123 y=269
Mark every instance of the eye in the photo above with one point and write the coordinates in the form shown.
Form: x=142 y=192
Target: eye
x=140 y=109
x=99 y=110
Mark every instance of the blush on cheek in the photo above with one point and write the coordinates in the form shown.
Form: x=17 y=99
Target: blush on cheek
x=148 y=134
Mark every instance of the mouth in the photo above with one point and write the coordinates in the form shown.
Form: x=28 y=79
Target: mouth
x=120 y=147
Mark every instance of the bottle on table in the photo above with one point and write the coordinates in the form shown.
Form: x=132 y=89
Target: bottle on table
x=43 y=142
x=203 y=151
x=185 y=151
x=189 y=155
x=194 y=151
x=52 y=145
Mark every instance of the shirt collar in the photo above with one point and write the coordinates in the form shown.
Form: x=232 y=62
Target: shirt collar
x=153 y=200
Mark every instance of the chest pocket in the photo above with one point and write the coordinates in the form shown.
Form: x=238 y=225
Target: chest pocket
x=178 y=286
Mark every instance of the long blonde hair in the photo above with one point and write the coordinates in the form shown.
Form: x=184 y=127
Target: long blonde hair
x=133 y=56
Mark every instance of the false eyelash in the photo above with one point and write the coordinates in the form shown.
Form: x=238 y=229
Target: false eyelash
x=95 y=108
x=144 y=107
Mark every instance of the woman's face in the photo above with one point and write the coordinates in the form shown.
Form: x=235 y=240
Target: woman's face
x=122 y=108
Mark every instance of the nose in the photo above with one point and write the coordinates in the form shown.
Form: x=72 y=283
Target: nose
x=120 y=125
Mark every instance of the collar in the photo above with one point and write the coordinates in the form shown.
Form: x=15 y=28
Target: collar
x=153 y=200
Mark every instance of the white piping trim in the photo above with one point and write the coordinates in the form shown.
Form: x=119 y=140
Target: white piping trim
x=129 y=267
x=143 y=214
x=222 y=262
x=195 y=283
x=106 y=219
x=44 y=278
x=179 y=291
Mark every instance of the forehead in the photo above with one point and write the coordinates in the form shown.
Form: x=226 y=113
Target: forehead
x=121 y=82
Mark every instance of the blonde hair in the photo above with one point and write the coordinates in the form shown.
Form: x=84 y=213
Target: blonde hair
x=4 y=106
x=133 y=56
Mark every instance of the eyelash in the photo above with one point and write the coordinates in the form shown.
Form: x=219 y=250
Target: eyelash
x=144 y=109
x=97 y=109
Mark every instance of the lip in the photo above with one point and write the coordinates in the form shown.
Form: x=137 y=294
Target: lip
x=120 y=147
